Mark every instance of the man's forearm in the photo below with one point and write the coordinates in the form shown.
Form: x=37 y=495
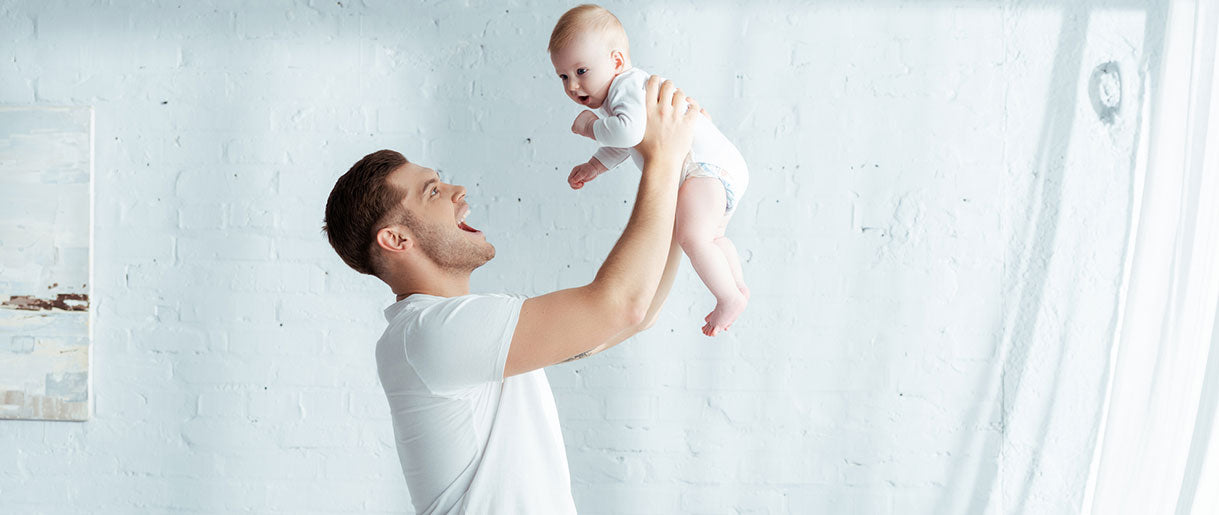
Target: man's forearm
x=628 y=279
x=632 y=271
x=666 y=283
x=658 y=301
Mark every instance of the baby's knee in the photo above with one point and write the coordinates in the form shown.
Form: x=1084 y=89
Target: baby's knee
x=692 y=237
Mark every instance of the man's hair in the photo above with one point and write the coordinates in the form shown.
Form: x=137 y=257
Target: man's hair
x=361 y=203
x=588 y=18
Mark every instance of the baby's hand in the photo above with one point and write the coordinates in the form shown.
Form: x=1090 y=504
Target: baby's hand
x=584 y=124
x=584 y=172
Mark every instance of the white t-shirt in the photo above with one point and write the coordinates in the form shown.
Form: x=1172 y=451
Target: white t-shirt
x=622 y=119
x=469 y=440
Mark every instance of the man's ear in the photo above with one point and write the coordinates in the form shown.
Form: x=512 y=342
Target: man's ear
x=394 y=239
x=618 y=59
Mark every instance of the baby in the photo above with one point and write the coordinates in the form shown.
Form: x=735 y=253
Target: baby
x=591 y=55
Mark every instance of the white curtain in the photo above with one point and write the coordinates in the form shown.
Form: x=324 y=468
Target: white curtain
x=1157 y=448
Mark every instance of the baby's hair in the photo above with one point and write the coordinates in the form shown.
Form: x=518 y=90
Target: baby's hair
x=584 y=18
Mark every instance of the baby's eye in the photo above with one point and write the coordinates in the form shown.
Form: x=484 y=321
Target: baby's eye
x=563 y=77
x=581 y=71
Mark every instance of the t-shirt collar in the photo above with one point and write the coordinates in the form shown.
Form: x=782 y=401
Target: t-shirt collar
x=393 y=310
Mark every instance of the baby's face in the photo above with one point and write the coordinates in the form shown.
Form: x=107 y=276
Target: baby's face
x=586 y=67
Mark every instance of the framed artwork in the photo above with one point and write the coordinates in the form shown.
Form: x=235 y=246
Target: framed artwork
x=46 y=210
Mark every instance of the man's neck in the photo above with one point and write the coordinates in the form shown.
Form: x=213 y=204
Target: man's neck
x=449 y=287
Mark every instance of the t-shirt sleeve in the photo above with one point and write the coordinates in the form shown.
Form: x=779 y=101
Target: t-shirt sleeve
x=463 y=342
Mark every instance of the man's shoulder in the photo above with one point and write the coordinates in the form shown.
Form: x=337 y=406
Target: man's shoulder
x=451 y=343
x=422 y=302
x=474 y=301
x=421 y=314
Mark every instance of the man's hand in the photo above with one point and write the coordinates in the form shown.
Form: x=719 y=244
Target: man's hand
x=585 y=172
x=584 y=124
x=670 y=127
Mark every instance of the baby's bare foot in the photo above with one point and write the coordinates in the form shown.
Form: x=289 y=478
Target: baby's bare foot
x=725 y=313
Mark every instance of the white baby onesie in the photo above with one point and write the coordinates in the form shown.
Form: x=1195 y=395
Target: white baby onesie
x=620 y=125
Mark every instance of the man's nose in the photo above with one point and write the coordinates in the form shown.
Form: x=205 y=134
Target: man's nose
x=459 y=192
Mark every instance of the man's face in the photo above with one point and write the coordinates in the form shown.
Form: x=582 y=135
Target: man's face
x=440 y=210
x=586 y=68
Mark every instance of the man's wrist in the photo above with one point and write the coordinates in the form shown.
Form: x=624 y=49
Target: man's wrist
x=662 y=159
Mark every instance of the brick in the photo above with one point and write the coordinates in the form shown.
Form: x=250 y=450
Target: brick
x=732 y=501
x=577 y=404
x=217 y=246
x=277 y=464
x=322 y=405
x=227 y=435
x=223 y=404
x=636 y=438
x=627 y=499
x=235 y=307
x=633 y=406
x=221 y=370
x=829 y=498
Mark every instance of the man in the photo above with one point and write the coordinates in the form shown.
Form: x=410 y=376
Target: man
x=474 y=417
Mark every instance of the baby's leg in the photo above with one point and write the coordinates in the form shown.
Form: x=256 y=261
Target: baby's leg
x=734 y=261
x=700 y=213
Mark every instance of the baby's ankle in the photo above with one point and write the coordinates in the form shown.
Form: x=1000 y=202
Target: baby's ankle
x=732 y=299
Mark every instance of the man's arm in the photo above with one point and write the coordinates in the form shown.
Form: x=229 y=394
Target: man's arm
x=666 y=284
x=662 y=293
x=567 y=323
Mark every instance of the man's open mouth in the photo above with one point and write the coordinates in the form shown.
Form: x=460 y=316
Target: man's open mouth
x=461 y=223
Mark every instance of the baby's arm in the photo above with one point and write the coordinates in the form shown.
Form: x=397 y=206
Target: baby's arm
x=624 y=126
x=617 y=133
x=610 y=157
x=602 y=161
x=585 y=172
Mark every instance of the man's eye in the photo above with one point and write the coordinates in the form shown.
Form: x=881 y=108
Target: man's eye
x=435 y=190
x=581 y=71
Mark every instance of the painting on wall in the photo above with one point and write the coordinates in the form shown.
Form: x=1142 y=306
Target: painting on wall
x=46 y=171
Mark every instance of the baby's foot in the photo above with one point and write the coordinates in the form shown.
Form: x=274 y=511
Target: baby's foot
x=725 y=313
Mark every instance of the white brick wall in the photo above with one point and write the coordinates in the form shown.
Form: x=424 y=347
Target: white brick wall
x=932 y=206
